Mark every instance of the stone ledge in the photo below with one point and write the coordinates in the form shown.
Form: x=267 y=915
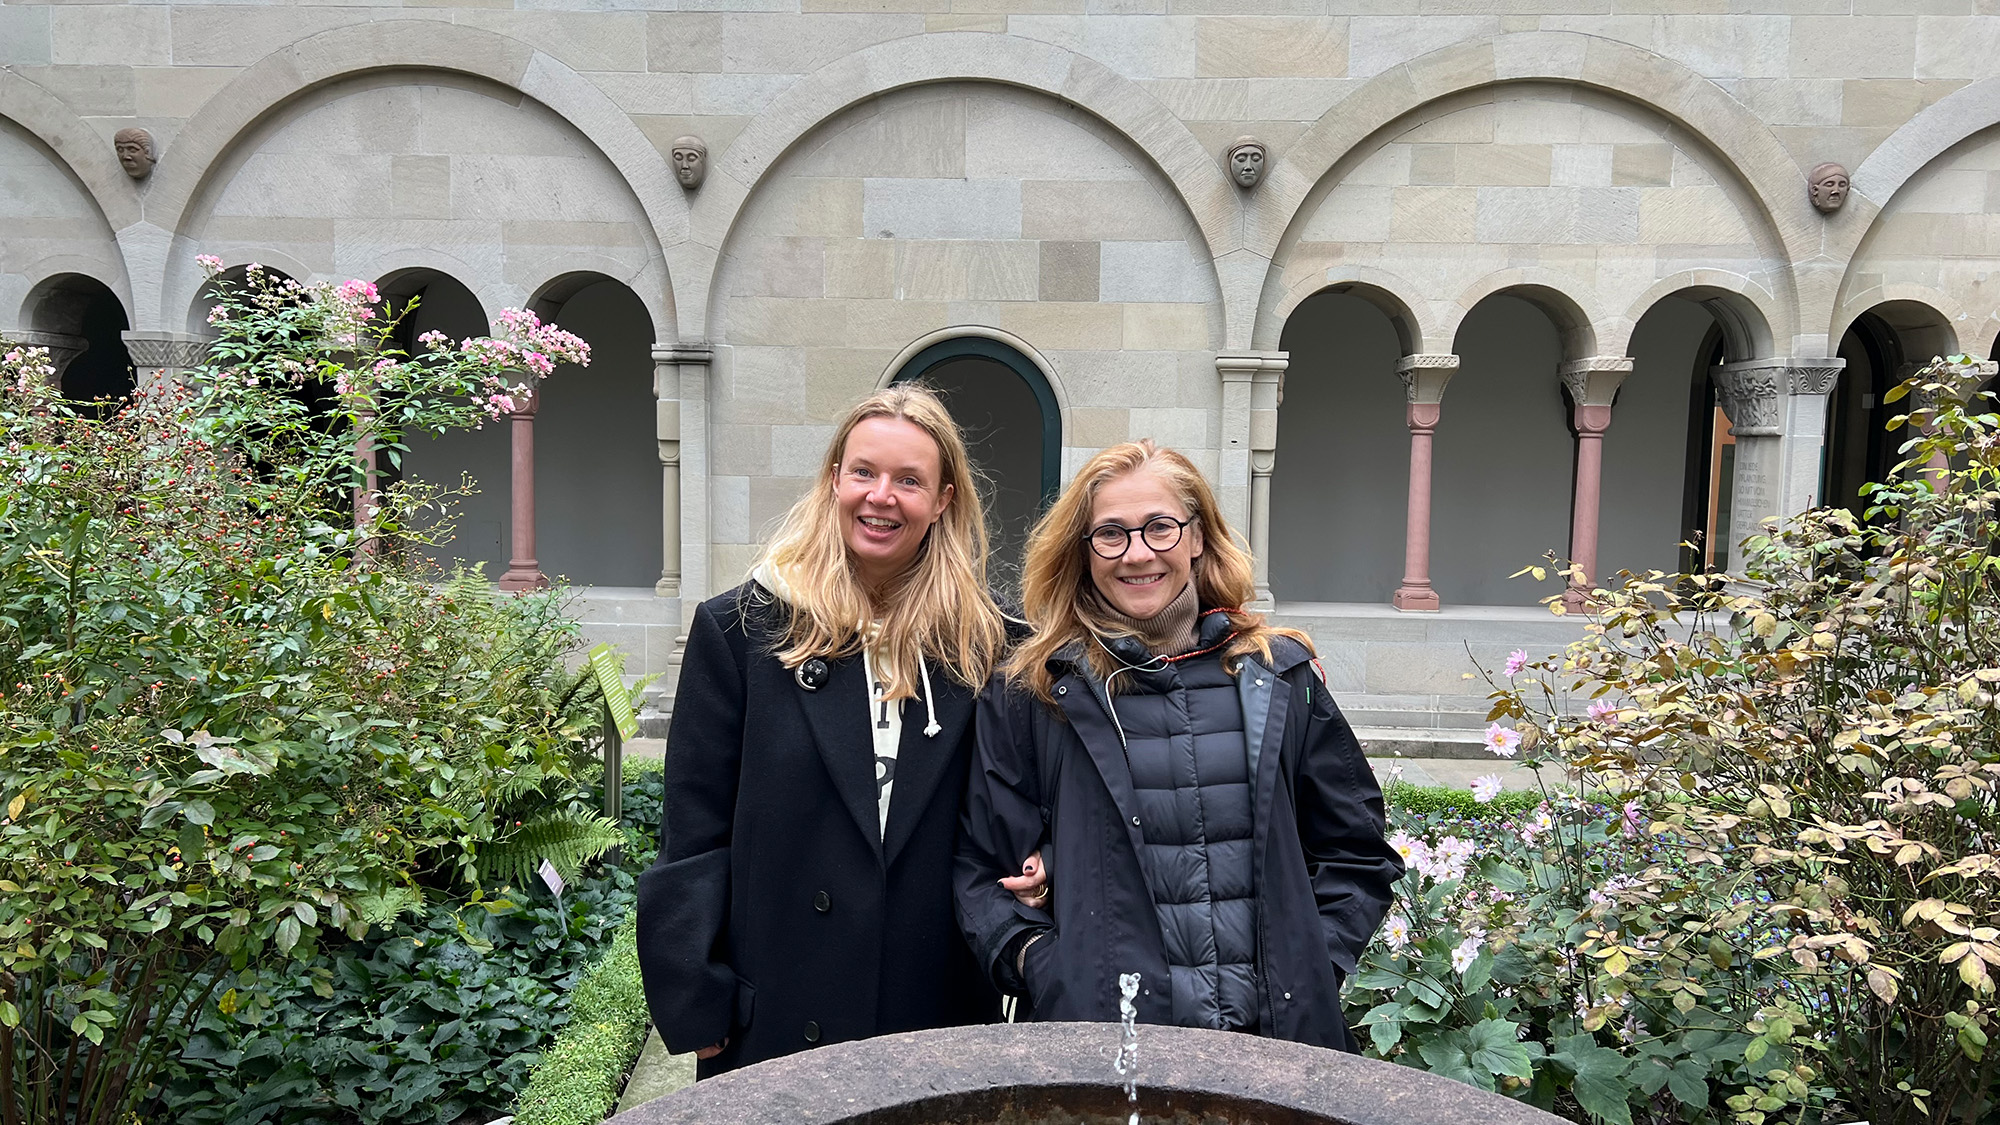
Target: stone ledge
x=1031 y=1073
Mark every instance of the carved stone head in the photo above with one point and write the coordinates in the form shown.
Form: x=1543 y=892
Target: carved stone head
x=1246 y=161
x=135 y=151
x=1828 y=187
x=690 y=161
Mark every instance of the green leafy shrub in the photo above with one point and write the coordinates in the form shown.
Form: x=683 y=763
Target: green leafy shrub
x=235 y=724
x=1442 y=800
x=434 y=1020
x=579 y=1078
x=1484 y=971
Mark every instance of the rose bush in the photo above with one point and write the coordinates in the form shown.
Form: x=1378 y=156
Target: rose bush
x=236 y=720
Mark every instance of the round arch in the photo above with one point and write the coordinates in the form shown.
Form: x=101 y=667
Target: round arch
x=1742 y=310
x=1377 y=287
x=1691 y=103
x=80 y=147
x=929 y=357
x=1196 y=175
x=417 y=45
x=1542 y=289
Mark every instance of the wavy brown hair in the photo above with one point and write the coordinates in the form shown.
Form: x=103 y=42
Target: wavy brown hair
x=939 y=608
x=1062 y=603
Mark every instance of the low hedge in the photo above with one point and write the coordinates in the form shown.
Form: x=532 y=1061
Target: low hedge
x=582 y=1072
x=1429 y=800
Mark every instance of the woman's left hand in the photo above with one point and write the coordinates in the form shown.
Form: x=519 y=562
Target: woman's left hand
x=1031 y=887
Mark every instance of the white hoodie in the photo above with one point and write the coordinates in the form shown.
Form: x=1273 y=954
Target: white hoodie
x=885 y=723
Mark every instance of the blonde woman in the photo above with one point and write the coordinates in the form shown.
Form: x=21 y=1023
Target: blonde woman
x=818 y=752
x=1207 y=817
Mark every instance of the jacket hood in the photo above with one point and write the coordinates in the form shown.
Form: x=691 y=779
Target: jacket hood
x=767 y=574
x=1212 y=630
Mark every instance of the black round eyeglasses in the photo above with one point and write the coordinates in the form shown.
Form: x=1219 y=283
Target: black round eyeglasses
x=1161 y=533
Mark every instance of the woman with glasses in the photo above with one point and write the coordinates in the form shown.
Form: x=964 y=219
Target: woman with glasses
x=1163 y=784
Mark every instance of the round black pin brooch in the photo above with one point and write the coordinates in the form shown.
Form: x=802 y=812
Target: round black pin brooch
x=812 y=675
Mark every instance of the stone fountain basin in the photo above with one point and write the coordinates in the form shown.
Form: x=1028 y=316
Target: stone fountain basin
x=1060 y=1074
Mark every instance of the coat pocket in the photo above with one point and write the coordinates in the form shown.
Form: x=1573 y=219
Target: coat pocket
x=1044 y=976
x=746 y=1003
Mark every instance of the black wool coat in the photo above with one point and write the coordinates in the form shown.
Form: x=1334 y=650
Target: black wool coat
x=1321 y=870
x=778 y=914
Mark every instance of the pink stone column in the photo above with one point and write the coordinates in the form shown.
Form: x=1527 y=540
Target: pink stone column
x=1415 y=593
x=523 y=571
x=1592 y=384
x=1424 y=378
x=1591 y=422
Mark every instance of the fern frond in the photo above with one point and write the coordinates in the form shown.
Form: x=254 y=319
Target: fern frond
x=567 y=839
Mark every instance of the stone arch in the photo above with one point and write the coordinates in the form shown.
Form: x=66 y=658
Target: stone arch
x=418 y=46
x=1926 y=318
x=196 y=321
x=83 y=149
x=597 y=470
x=1000 y=336
x=1911 y=148
x=68 y=196
x=1746 y=313
x=1195 y=174
x=1378 y=287
x=1543 y=289
x=1698 y=112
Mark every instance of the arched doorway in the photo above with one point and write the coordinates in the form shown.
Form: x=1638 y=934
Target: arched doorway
x=597 y=465
x=86 y=321
x=1502 y=479
x=1883 y=347
x=1013 y=432
x=1340 y=495
x=428 y=300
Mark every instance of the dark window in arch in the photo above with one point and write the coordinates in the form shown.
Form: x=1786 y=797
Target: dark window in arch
x=1013 y=431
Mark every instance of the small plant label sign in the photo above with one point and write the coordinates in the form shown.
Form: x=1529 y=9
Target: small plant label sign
x=551 y=877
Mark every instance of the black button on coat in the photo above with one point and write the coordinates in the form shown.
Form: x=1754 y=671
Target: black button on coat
x=1321 y=870
x=778 y=914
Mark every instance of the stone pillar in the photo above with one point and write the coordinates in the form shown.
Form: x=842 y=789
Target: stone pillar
x=1752 y=394
x=1424 y=378
x=1810 y=383
x=164 y=357
x=524 y=572
x=1592 y=383
x=667 y=360
x=1252 y=386
x=63 y=348
x=682 y=370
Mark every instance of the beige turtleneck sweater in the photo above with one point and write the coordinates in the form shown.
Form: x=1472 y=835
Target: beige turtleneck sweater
x=1169 y=632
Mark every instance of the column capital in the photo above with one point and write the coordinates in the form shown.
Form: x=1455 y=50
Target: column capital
x=1814 y=376
x=1424 y=376
x=166 y=349
x=1594 y=380
x=62 y=347
x=693 y=352
x=1751 y=394
x=1243 y=367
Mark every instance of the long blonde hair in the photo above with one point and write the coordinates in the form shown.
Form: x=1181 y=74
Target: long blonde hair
x=939 y=609
x=1061 y=601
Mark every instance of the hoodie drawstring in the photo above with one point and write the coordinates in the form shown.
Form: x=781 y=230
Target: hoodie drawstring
x=930 y=701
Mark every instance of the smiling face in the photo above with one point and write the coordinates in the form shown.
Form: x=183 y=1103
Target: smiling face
x=1141 y=582
x=888 y=491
